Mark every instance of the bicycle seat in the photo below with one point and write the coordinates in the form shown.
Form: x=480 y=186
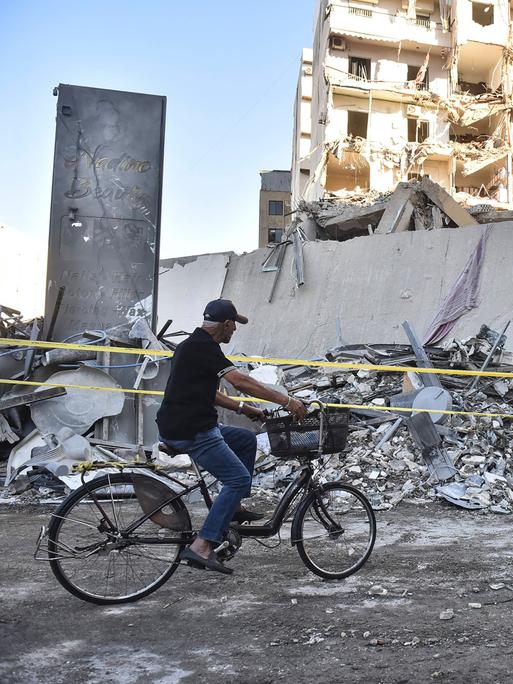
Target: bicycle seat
x=168 y=449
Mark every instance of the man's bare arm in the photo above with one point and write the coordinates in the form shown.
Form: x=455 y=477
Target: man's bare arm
x=245 y=408
x=225 y=402
x=248 y=385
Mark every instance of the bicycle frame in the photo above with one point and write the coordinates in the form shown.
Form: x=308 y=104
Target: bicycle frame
x=269 y=529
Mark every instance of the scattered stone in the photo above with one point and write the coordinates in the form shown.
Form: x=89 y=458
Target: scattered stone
x=377 y=590
x=413 y=642
x=447 y=614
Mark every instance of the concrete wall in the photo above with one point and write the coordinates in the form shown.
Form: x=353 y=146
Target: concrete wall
x=302 y=128
x=388 y=65
x=389 y=23
x=371 y=285
x=469 y=30
x=267 y=221
x=388 y=123
x=186 y=285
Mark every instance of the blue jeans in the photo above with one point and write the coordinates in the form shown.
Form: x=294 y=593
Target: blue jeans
x=228 y=453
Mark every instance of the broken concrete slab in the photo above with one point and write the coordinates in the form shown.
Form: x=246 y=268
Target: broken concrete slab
x=446 y=203
x=343 y=283
x=350 y=221
x=398 y=212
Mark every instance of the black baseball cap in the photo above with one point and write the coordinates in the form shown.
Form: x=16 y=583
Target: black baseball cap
x=221 y=310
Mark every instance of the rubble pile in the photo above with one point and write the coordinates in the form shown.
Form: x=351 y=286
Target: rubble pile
x=382 y=458
x=394 y=452
x=416 y=205
x=13 y=325
x=45 y=430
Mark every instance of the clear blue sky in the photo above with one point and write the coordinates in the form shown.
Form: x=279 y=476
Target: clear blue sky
x=228 y=69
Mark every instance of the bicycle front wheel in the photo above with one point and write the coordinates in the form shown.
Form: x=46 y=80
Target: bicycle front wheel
x=94 y=557
x=334 y=530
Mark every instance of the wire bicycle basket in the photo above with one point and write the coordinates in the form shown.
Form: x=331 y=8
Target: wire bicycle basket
x=324 y=431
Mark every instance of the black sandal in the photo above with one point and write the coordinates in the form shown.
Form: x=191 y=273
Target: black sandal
x=246 y=516
x=194 y=560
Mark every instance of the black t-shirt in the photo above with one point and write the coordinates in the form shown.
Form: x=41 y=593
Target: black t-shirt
x=188 y=406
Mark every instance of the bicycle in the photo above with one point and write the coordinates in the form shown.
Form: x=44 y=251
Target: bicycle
x=118 y=538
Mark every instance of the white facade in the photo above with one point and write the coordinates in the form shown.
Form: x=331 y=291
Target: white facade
x=402 y=89
x=302 y=125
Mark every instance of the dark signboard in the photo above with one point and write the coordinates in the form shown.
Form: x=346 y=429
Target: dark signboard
x=105 y=210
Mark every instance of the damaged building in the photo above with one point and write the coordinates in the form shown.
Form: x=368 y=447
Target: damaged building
x=404 y=90
x=400 y=133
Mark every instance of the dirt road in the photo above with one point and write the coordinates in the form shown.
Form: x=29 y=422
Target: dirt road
x=273 y=621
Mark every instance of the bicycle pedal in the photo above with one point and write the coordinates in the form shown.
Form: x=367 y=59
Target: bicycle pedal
x=222 y=546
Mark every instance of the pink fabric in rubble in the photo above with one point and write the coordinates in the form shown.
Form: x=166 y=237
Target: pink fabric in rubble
x=462 y=297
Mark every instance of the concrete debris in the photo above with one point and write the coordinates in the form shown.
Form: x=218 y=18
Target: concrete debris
x=12 y=324
x=415 y=205
x=447 y=614
x=475 y=451
x=52 y=428
x=391 y=455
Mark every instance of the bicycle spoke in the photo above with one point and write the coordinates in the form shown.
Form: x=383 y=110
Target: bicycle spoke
x=337 y=531
x=103 y=565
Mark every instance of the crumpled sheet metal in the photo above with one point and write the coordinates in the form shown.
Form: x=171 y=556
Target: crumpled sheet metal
x=456 y=493
x=58 y=453
x=78 y=409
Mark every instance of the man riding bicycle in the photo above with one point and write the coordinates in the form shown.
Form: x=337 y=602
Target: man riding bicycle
x=187 y=422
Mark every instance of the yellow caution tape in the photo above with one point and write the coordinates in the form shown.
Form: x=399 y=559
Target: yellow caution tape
x=261 y=359
x=85 y=466
x=31 y=383
x=371 y=407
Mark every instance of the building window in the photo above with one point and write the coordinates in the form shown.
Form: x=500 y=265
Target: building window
x=357 y=123
x=359 y=67
x=275 y=235
x=275 y=208
x=418 y=131
x=413 y=72
x=482 y=14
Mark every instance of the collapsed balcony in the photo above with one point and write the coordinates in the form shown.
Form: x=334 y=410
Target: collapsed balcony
x=483 y=178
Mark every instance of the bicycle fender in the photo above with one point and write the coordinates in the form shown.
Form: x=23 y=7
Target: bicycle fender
x=153 y=493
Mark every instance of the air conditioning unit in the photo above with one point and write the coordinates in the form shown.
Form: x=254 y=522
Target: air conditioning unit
x=414 y=110
x=337 y=43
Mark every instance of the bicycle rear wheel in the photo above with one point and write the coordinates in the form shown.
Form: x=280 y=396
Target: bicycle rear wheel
x=334 y=530
x=93 y=557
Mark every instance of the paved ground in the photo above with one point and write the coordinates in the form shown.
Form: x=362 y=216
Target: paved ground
x=273 y=621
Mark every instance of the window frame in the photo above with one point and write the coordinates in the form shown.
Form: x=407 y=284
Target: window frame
x=354 y=61
x=352 y=113
x=275 y=202
x=418 y=128
x=482 y=6
x=424 y=85
x=270 y=241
